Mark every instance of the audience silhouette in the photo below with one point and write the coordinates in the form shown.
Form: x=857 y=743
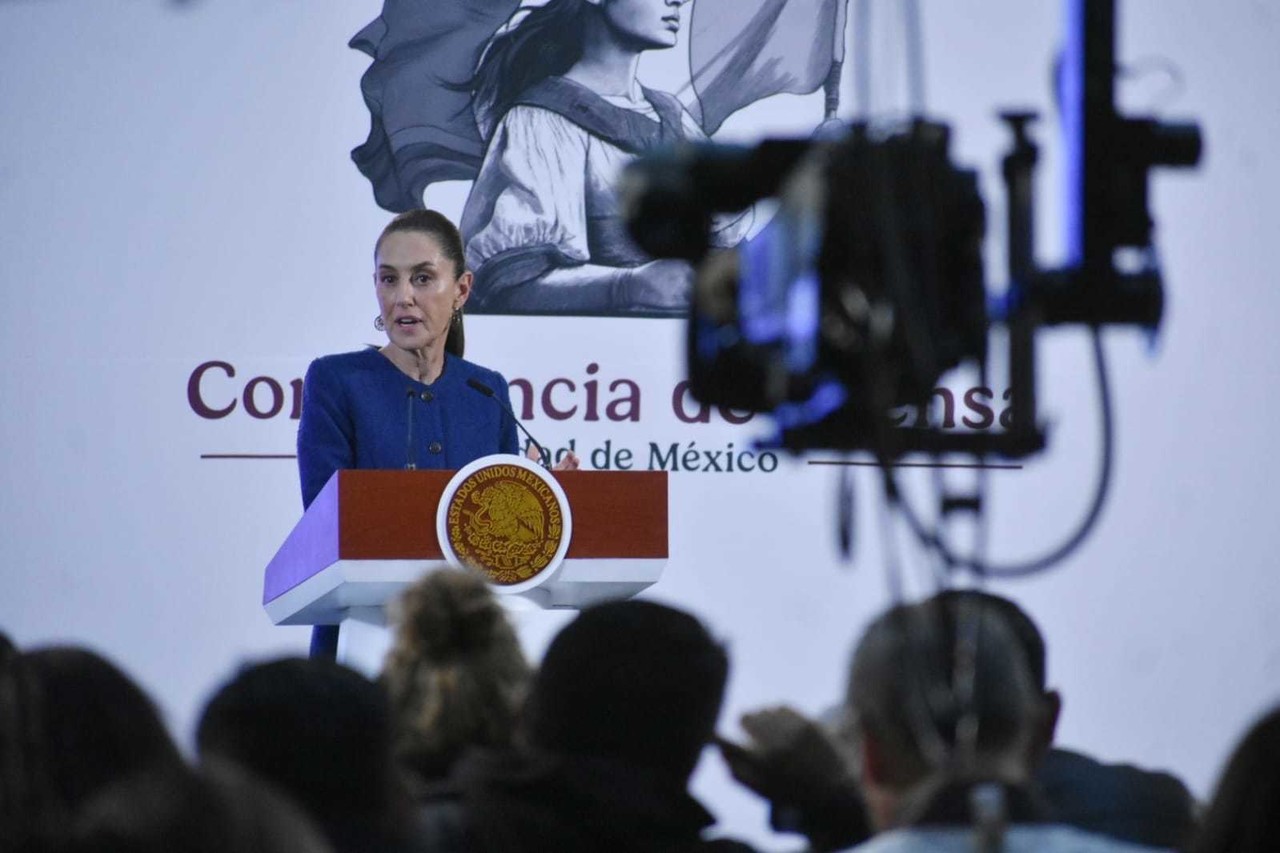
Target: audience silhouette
x=215 y=810
x=625 y=700
x=1244 y=815
x=455 y=674
x=1117 y=800
x=321 y=733
x=944 y=742
x=944 y=717
x=71 y=724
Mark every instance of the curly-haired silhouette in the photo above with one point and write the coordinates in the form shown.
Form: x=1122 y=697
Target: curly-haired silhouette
x=455 y=673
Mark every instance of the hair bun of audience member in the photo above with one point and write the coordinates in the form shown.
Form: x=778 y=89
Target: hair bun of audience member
x=449 y=616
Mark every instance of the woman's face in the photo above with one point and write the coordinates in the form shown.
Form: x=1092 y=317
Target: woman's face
x=418 y=289
x=644 y=24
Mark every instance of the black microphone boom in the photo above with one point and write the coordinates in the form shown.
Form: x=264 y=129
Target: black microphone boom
x=491 y=394
x=410 y=452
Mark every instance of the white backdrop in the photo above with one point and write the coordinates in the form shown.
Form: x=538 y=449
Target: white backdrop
x=175 y=189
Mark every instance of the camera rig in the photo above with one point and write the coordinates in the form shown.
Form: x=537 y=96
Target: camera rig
x=868 y=283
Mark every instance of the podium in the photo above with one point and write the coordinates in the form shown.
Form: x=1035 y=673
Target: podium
x=369 y=534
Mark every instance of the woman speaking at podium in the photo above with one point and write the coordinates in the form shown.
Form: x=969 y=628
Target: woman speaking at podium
x=414 y=402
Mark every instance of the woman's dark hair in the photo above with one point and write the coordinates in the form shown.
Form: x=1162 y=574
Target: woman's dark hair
x=1244 y=815
x=217 y=809
x=631 y=681
x=546 y=42
x=436 y=225
x=71 y=723
x=316 y=729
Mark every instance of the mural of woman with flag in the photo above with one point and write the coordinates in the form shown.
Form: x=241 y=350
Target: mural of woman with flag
x=544 y=109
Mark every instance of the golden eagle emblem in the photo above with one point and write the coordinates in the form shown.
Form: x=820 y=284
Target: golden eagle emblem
x=510 y=511
x=506 y=521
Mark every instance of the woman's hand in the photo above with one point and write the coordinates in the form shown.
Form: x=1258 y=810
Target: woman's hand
x=568 y=462
x=788 y=759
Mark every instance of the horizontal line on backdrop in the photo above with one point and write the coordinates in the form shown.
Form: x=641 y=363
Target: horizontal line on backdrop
x=999 y=467
x=248 y=456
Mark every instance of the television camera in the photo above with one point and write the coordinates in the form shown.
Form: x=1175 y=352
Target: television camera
x=868 y=283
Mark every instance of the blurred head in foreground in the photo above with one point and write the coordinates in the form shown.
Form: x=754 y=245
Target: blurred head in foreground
x=1244 y=815
x=455 y=673
x=939 y=693
x=632 y=681
x=71 y=724
x=216 y=810
x=318 y=731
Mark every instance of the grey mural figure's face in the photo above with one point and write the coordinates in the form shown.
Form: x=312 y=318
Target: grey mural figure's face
x=644 y=24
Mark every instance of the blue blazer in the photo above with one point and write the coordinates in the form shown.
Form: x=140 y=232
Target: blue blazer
x=355 y=414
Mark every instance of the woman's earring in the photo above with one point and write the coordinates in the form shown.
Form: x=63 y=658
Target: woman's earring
x=457 y=316
x=378 y=324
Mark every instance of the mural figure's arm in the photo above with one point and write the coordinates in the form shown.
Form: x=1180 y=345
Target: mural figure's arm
x=527 y=231
x=661 y=285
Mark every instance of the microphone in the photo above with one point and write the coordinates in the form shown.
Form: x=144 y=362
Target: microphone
x=477 y=385
x=410 y=452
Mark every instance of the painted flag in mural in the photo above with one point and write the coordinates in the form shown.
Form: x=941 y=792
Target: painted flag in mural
x=423 y=129
x=741 y=51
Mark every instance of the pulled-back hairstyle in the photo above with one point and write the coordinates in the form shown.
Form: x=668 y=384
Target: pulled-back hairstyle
x=546 y=42
x=902 y=688
x=455 y=672
x=1017 y=620
x=437 y=226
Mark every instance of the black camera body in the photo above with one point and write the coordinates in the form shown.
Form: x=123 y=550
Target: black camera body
x=862 y=290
